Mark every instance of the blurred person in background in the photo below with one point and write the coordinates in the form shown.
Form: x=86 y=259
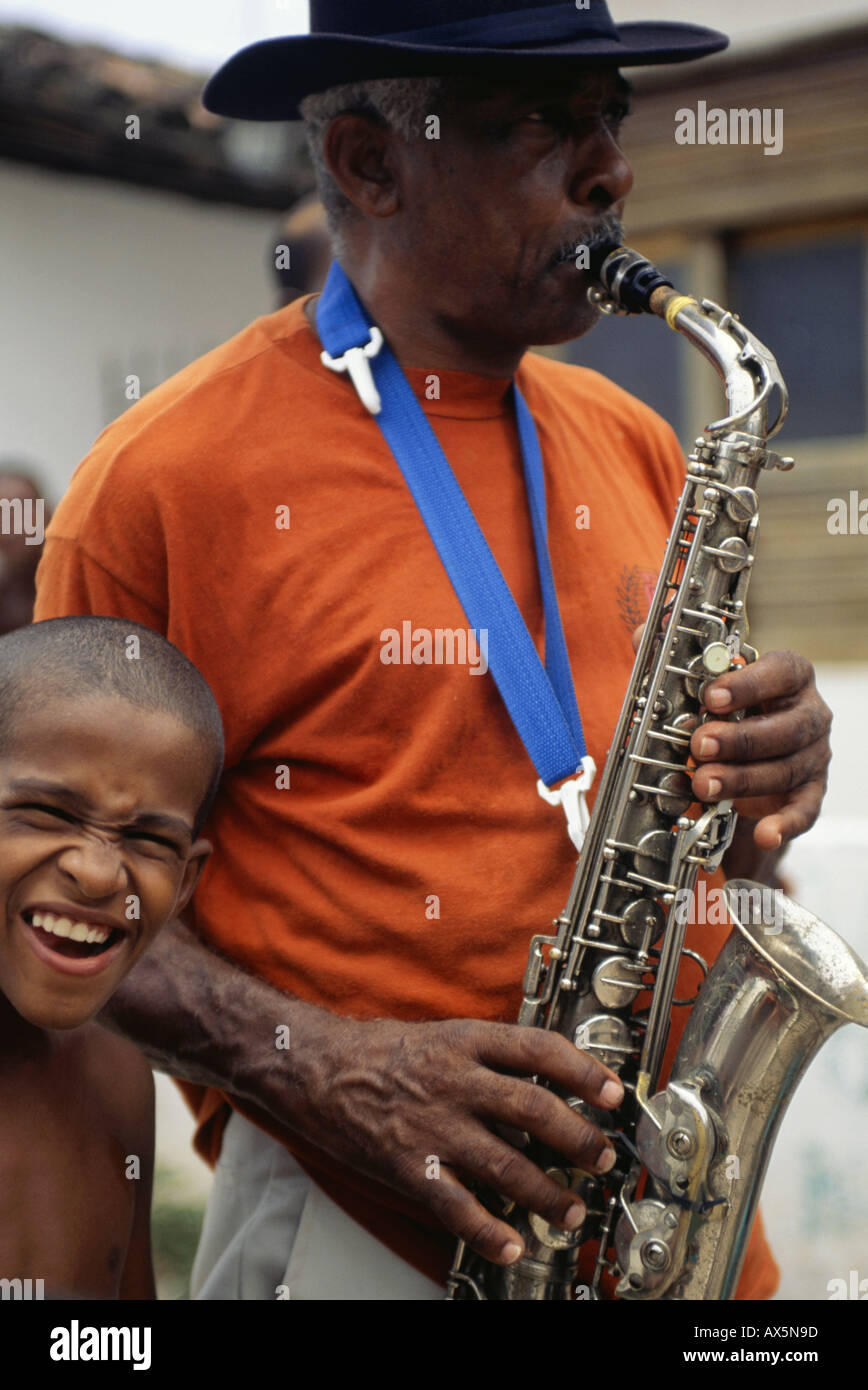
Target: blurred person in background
x=302 y=251
x=20 y=552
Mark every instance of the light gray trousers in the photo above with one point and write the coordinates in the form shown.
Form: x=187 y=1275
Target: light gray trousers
x=271 y=1233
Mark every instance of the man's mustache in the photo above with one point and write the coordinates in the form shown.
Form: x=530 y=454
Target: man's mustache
x=608 y=231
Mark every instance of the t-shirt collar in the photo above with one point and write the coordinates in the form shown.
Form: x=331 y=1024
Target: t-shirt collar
x=459 y=395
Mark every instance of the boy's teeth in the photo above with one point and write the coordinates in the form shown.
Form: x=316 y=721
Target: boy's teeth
x=64 y=926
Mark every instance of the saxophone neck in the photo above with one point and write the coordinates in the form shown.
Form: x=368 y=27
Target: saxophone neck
x=630 y=284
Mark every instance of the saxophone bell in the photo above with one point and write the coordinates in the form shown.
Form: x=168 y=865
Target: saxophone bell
x=782 y=985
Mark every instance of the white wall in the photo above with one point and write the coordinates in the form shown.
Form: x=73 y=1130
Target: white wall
x=92 y=271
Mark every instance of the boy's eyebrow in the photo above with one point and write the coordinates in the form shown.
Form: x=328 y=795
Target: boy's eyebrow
x=80 y=805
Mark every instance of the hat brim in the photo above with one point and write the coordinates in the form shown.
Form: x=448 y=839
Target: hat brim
x=267 y=80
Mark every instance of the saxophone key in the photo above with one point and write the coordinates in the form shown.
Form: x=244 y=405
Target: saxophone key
x=654 y=847
x=645 y=1247
x=617 y=981
x=731 y=555
x=607 y=1038
x=742 y=504
x=716 y=658
x=674 y=794
x=642 y=923
x=554 y=1237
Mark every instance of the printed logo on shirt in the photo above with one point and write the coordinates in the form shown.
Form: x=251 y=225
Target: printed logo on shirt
x=635 y=592
x=439 y=646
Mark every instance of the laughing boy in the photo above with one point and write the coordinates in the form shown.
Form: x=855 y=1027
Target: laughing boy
x=111 y=748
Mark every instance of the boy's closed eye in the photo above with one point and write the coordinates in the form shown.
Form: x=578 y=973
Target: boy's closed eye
x=39 y=812
x=37 y=809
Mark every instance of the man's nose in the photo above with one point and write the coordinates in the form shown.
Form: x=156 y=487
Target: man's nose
x=602 y=177
x=95 y=865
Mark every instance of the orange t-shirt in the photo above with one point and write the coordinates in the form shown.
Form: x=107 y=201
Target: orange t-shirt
x=250 y=510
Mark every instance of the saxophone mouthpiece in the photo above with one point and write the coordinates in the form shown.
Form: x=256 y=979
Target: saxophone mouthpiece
x=599 y=254
x=629 y=280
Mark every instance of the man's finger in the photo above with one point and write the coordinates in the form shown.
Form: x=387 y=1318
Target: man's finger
x=506 y=1171
x=779 y=776
x=762 y=736
x=536 y=1052
x=467 y=1218
x=775 y=676
x=549 y=1119
x=799 y=814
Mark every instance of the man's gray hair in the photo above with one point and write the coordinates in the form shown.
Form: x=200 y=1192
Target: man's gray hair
x=403 y=103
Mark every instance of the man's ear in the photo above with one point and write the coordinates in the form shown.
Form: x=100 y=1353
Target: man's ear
x=199 y=855
x=357 y=151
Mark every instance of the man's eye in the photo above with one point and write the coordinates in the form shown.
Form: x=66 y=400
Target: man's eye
x=616 y=115
x=562 y=121
x=553 y=118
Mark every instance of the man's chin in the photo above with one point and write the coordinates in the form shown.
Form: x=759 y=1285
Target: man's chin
x=565 y=322
x=563 y=302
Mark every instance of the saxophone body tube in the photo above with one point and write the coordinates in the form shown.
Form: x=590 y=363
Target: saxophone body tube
x=669 y=1220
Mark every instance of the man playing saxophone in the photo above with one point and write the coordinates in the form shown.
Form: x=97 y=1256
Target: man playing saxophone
x=382 y=857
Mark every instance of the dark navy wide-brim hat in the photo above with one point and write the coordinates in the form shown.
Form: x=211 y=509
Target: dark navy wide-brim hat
x=357 y=40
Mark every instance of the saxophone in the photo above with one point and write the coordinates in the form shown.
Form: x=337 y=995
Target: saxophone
x=673 y=1216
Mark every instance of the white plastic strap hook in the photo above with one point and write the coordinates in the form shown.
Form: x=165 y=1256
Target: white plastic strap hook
x=355 y=361
x=571 y=795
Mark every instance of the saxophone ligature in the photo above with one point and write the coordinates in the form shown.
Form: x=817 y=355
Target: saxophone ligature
x=672 y=1218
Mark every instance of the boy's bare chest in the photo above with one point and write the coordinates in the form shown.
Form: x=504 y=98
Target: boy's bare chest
x=66 y=1202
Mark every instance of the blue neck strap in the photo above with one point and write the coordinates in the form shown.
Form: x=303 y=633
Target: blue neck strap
x=541 y=700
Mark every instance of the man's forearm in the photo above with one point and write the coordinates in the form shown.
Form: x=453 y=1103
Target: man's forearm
x=203 y=1019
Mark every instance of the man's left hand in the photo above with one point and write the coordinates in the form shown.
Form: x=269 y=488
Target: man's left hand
x=772 y=762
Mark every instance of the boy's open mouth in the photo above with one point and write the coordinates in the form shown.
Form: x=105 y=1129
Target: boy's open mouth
x=65 y=936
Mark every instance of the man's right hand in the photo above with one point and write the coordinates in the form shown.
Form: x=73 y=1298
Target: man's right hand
x=383 y=1097
x=387 y=1098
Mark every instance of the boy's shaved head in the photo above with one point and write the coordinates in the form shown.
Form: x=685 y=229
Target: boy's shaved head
x=98 y=656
